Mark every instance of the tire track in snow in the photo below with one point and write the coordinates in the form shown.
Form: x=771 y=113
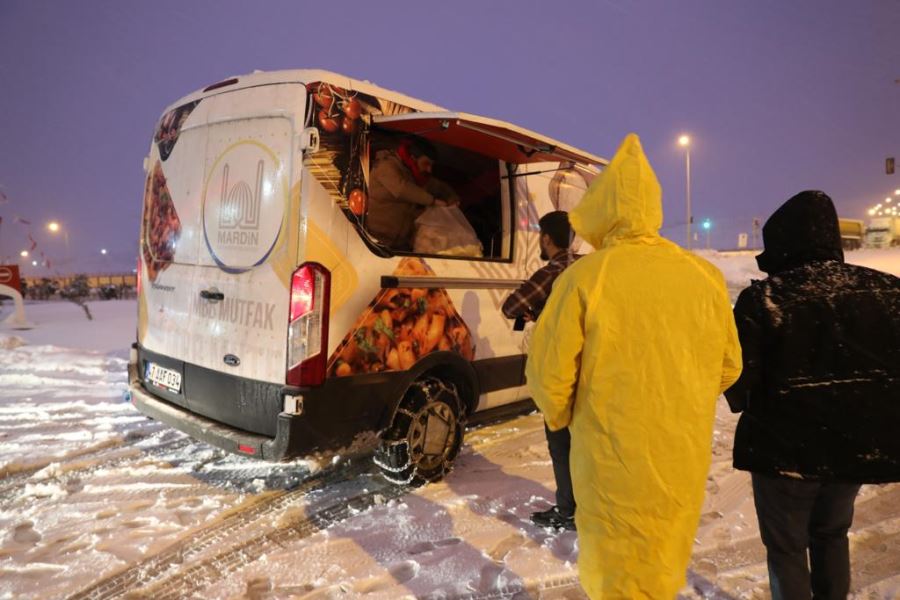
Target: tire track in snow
x=546 y=588
x=172 y=574
x=12 y=485
x=570 y=587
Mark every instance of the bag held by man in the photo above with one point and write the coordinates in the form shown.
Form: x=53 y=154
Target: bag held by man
x=445 y=230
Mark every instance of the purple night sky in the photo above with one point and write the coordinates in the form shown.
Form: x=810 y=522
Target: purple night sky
x=777 y=96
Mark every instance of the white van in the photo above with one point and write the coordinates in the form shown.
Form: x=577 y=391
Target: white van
x=273 y=324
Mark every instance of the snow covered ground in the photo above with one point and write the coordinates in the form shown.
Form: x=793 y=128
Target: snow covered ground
x=97 y=501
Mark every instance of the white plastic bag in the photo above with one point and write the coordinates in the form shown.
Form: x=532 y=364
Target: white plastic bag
x=445 y=230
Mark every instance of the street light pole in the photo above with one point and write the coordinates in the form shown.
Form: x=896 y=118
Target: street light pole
x=55 y=227
x=685 y=142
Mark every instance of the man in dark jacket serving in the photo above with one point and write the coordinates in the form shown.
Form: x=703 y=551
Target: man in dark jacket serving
x=819 y=393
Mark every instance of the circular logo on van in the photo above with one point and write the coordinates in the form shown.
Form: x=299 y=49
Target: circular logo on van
x=243 y=206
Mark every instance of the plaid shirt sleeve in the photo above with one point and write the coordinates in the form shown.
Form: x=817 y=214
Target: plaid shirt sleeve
x=531 y=296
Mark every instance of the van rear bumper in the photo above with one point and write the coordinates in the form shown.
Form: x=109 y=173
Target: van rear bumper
x=201 y=428
x=334 y=417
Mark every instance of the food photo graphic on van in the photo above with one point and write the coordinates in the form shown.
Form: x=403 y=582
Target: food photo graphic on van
x=326 y=263
x=401 y=326
x=161 y=224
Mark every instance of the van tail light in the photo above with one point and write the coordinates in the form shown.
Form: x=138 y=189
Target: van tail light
x=138 y=281
x=308 y=328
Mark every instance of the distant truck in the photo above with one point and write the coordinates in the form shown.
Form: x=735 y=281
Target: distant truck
x=883 y=232
x=853 y=232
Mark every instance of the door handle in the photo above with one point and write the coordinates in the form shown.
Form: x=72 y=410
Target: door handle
x=212 y=295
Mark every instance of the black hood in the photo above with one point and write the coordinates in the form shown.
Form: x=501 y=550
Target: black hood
x=804 y=229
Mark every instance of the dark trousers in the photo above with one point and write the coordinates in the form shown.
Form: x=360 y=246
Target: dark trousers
x=559 y=443
x=796 y=516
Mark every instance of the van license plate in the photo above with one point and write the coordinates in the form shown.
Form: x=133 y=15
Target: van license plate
x=163 y=377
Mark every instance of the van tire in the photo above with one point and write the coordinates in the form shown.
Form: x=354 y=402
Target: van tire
x=409 y=453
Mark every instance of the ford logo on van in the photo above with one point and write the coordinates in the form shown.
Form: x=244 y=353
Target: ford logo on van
x=231 y=360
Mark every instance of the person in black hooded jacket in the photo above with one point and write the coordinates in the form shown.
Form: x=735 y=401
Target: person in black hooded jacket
x=819 y=394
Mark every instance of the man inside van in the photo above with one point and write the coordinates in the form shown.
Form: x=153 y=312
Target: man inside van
x=401 y=186
x=526 y=303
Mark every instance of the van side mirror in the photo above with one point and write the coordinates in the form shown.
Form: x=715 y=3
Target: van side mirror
x=309 y=140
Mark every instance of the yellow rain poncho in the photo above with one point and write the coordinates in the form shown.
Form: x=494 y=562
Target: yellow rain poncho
x=633 y=348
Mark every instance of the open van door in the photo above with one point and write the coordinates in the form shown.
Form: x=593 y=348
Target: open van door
x=503 y=141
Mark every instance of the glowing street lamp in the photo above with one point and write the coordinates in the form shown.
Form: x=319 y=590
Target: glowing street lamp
x=24 y=253
x=102 y=250
x=685 y=142
x=55 y=227
x=707 y=226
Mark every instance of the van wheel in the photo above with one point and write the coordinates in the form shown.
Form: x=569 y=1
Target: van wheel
x=426 y=434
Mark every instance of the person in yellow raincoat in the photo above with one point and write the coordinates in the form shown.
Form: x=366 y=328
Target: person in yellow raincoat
x=633 y=348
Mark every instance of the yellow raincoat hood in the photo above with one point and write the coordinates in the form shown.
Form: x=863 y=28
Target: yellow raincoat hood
x=623 y=203
x=633 y=348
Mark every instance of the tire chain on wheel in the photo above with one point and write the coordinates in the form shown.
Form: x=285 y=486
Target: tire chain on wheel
x=397 y=463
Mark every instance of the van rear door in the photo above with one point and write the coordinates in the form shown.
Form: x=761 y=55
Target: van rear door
x=236 y=251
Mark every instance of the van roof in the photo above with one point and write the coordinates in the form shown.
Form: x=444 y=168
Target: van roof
x=306 y=76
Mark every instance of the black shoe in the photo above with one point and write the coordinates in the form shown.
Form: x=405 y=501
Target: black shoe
x=554 y=519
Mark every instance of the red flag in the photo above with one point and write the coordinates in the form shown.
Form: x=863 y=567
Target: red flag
x=33 y=243
x=22 y=221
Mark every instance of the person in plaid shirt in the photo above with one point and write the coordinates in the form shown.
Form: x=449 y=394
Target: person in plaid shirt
x=526 y=303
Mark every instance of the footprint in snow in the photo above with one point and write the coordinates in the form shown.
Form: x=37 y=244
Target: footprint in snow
x=490 y=577
x=423 y=547
x=503 y=547
x=564 y=544
x=397 y=574
x=24 y=533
